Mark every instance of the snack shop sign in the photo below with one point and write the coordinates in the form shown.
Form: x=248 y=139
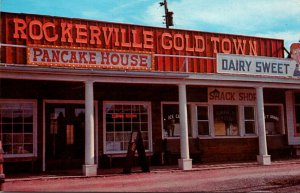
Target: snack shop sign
x=255 y=65
x=89 y=58
x=226 y=95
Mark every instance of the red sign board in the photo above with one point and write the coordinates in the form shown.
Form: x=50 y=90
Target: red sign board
x=40 y=30
x=89 y=58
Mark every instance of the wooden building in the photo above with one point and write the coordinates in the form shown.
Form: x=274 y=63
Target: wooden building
x=73 y=90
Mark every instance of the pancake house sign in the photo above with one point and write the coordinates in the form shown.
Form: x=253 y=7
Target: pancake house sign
x=63 y=41
x=89 y=58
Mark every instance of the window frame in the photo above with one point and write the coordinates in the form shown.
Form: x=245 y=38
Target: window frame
x=239 y=120
x=244 y=121
x=297 y=134
x=149 y=112
x=196 y=130
x=282 y=117
x=34 y=126
x=191 y=119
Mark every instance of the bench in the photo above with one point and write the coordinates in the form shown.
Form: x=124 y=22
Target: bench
x=21 y=159
x=120 y=155
x=171 y=151
x=296 y=150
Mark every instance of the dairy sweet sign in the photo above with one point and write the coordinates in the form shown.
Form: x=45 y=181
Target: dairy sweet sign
x=255 y=65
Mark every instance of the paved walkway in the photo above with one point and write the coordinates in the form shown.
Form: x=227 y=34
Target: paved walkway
x=281 y=176
x=153 y=169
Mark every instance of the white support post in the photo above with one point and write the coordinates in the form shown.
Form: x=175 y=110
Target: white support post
x=263 y=158
x=185 y=163
x=89 y=168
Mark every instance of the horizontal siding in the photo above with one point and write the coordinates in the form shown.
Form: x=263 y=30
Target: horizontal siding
x=213 y=41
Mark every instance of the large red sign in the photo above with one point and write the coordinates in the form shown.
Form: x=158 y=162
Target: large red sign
x=168 y=46
x=68 y=32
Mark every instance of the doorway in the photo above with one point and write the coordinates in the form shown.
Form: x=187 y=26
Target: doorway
x=65 y=131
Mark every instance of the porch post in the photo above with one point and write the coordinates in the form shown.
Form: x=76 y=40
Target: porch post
x=89 y=168
x=185 y=163
x=263 y=158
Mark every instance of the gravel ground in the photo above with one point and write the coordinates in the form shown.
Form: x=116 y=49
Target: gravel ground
x=284 y=177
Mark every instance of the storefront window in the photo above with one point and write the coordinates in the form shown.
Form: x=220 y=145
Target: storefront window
x=171 y=122
x=121 y=120
x=297 y=109
x=17 y=127
x=249 y=120
x=273 y=119
x=202 y=120
x=226 y=120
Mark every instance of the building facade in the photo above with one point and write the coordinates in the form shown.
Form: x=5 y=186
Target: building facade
x=73 y=90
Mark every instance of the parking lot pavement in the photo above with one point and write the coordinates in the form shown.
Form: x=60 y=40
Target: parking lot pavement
x=281 y=176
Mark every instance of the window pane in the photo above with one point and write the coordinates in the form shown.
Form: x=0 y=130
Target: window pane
x=28 y=128
x=136 y=126
x=249 y=113
x=135 y=108
x=226 y=120
x=127 y=136
x=146 y=144
x=119 y=127
x=109 y=127
x=297 y=119
x=18 y=128
x=143 y=109
x=127 y=109
x=18 y=138
x=144 y=126
x=203 y=128
x=7 y=116
x=7 y=149
x=118 y=108
x=110 y=137
x=28 y=138
x=127 y=126
x=119 y=136
x=249 y=127
x=125 y=145
x=202 y=113
x=125 y=119
x=109 y=118
x=28 y=117
x=145 y=135
x=136 y=117
x=273 y=120
x=7 y=128
x=110 y=108
x=28 y=148
x=118 y=117
x=18 y=116
x=16 y=120
x=7 y=138
x=171 y=118
x=18 y=149
x=144 y=118
x=110 y=145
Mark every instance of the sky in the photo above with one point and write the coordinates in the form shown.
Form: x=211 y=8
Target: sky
x=278 y=19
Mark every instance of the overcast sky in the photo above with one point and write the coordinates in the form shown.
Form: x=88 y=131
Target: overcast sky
x=266 y=18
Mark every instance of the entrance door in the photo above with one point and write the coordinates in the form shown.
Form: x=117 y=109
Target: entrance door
x=65 y=129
